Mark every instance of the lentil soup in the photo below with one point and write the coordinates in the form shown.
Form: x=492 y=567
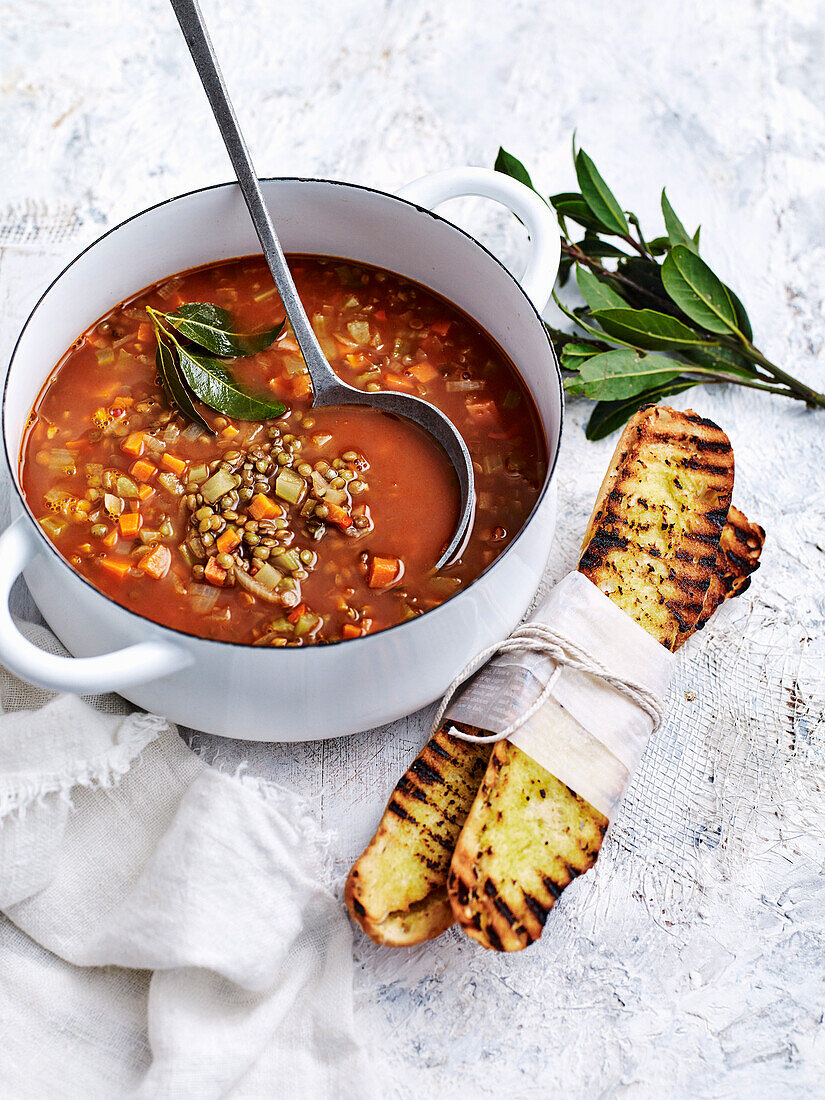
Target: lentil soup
x=315 y=526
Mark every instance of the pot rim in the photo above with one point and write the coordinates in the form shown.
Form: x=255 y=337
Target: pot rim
x=174 y=632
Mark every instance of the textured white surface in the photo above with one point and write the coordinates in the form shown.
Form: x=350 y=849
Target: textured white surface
x=692 y=962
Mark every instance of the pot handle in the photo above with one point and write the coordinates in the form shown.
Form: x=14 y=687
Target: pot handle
x=543 y=264
x=79 y=675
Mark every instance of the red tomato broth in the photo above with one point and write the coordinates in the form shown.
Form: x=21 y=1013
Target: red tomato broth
x=413 y=340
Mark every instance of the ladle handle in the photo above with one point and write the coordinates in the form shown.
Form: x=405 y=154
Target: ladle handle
x=197 y=38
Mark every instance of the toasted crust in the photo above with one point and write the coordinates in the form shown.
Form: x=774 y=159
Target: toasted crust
x=737 y=557
x=397 y=889
x=651 y=546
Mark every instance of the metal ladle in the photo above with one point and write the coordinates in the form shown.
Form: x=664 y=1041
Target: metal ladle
x=328 y=389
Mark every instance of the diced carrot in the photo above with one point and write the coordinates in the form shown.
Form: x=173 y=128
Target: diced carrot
x=176 y=465
x=130 y=523
x=143 y=470
x=230 y=431
x=441 y=328
x=215 y=574
x=337 y=515
x=134 y=444
x=76 y=444
x=483 y=412
x=145 y=491
x=301 y=385
x=111 y=538
x=156 y=563
x=396 y=382
x=144 y=332
x=380 y=315
x=261 y=507
x=423 y=371
x=296 y=613
x=118 y=568
x=383 y=572
x=228 y=541
x=350 y=630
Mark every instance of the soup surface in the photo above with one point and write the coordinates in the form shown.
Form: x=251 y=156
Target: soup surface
x=314 y=526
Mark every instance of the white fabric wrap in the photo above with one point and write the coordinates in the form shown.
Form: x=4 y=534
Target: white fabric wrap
x=587 y=734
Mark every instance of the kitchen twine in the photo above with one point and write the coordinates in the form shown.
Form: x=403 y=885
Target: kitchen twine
x=542 y=639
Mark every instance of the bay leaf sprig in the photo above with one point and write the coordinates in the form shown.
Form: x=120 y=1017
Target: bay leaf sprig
x=656 y=320
x=186 y=372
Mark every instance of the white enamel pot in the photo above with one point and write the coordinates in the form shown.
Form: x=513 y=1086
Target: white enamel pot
x=291 y=694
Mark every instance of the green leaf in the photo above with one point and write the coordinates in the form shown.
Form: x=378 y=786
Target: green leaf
x=574 y=386
x=676 y=232
x=718 y=358
x=597 y=294
x=599 y=197
x=176 y=391
x=697 y=291
x=647 y=328
x=509 y=165
x=742 y=320
x=609 y=416
x=598 y=249
x=583 y=324
x=565 y=267
x=570 y=204
x=617 y=375
x=573 y=355
x=658 y=246
x=212 y=328
x=215 y=386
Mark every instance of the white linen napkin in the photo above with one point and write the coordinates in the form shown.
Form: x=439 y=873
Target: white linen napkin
x=167 y=929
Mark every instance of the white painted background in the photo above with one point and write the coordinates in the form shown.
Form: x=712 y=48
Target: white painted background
x=692 y=963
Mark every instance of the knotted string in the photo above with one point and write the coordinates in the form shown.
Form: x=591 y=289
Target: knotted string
x=539 y=638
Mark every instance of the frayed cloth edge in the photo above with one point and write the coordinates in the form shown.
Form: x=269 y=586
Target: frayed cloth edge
x=20 y=791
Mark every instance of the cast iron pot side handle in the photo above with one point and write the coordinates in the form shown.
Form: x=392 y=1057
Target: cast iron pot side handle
x=539 y=219
x=135 y=664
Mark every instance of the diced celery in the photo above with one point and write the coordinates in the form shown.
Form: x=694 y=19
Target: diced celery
x=199 y=473
x=359 y=331
x=147 y=535
x=125 y=487
x=512 y=399
x=307 y=623
x=492 y=463
x=268 y=576
x=170 y=483
x=319 y=323
x=53 y=526
x=220 y=483
x=288 y=559
x=105 y=356
x=445 y=586
x=289 y=486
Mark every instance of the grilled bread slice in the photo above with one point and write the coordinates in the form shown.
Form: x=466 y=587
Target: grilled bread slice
x=408 y=923
x=651 y=547
x=397 y=889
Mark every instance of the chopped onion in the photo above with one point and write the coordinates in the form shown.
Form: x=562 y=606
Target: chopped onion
x=204 y=597
x=192 y=432
x=463 y=385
